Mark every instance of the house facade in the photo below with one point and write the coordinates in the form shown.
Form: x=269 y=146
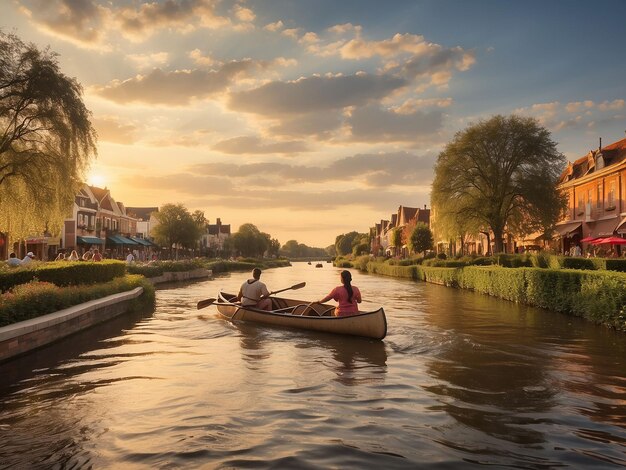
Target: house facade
x=212 y=242
x=98 y=221
x=595 y=185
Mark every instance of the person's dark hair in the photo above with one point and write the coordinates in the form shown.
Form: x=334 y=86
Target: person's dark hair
x=346 y=278
x=12 y=255
x=256 y=273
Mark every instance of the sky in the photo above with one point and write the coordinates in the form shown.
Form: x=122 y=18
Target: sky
x=310 y=119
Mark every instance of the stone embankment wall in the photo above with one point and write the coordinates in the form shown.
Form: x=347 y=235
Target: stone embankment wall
x=181 y=276
x=27 y=335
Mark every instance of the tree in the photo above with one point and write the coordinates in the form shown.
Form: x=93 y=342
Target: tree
x=421 y=238
x=501 y=173
x=396 y=240
x=345 y=243
x=46 y=138
x=176 y=228
x=249 y=241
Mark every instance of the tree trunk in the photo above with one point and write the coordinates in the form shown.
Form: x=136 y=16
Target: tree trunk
x=497 y=239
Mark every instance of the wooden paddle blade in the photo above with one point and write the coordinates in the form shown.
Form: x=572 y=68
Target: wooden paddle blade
x=299 y=286
x=205 y=303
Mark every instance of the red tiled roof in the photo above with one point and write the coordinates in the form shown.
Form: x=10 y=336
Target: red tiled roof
x=612 y=154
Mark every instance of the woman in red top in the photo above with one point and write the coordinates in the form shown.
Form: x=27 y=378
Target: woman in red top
x=347 y=295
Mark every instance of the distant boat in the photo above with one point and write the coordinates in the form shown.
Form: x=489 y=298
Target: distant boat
x=309 y=262
x=319 y=265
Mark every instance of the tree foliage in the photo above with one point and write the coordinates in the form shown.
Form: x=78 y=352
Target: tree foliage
x=502 y=174
x=46 y=139
x=421 y=238
x=176 y=227
x=293 y=249
x=345 y=243
x=249 y=241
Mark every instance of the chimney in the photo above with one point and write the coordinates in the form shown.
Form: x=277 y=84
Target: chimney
x=600 y=148
x=219 y=222
x=424 y=206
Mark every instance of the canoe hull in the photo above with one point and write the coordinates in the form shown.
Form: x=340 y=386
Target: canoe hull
x=365 y=324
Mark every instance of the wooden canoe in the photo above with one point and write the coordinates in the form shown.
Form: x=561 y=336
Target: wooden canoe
x=298 y=314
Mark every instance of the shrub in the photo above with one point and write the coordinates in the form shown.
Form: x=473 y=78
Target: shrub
x=441 y=256
x=36 y=298
x=63 y=273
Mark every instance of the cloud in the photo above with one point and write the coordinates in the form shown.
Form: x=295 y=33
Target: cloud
x=584 y=114
x=314 y=94
x=374 y=170
x=82 y=23
x=89 y=23
x=110 y=129
x=321 y=125
x=254 y=145
x=244 y=14
x=273 y=27
x=376 y=124
x=215 y=190
x=183 y=15
x=144 y=61
x=176 y=88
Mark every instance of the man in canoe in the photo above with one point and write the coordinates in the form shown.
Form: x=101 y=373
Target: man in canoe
x=254 y=293
x=347 y=295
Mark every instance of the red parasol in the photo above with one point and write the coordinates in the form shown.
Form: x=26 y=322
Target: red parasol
x=610 y=241
x=588 y=239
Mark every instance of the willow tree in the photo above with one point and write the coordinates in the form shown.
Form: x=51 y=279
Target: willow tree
x=46 y=139
x=500 y=173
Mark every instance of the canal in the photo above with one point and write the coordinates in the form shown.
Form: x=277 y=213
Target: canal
x=461 y=381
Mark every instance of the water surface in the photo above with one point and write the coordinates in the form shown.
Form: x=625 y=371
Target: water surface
x=461 y=381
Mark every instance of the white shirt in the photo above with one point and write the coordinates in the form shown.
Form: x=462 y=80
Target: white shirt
x=27 y=259
x=251 y=292
x=130 y=258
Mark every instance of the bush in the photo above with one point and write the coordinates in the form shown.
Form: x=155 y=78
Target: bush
x=63 y=273
x=37 y=298
x=441 y=256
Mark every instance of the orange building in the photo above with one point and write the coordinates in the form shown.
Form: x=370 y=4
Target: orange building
x=596 y=189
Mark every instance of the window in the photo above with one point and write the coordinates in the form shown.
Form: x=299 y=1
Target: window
x=599 y=197
x=581 y=203
x=611 y=196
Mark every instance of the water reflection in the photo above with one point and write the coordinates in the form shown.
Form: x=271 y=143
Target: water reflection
x=461 y=380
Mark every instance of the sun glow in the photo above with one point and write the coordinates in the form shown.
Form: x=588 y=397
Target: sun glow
x=96 y=179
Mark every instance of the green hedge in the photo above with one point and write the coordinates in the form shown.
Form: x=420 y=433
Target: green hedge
x=62 y=273
x=599 y=296
x=36 y=298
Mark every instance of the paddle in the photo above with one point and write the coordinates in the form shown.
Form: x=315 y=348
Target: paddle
x=205 y=303
x=294 y=287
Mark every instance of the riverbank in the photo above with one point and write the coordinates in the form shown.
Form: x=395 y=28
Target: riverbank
x=598 y=296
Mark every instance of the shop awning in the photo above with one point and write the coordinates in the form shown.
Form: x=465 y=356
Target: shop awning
x=90 y=240
x=621 y=227
x=120 y=240
x=566 y=230
x=141 y=241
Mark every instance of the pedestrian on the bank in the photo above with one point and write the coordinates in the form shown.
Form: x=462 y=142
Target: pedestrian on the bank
x=13 y=260
x=346 y=294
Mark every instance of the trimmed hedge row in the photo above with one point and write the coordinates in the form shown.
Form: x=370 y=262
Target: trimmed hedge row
x=599 y=296
x=35 y=298
x=63 y=273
